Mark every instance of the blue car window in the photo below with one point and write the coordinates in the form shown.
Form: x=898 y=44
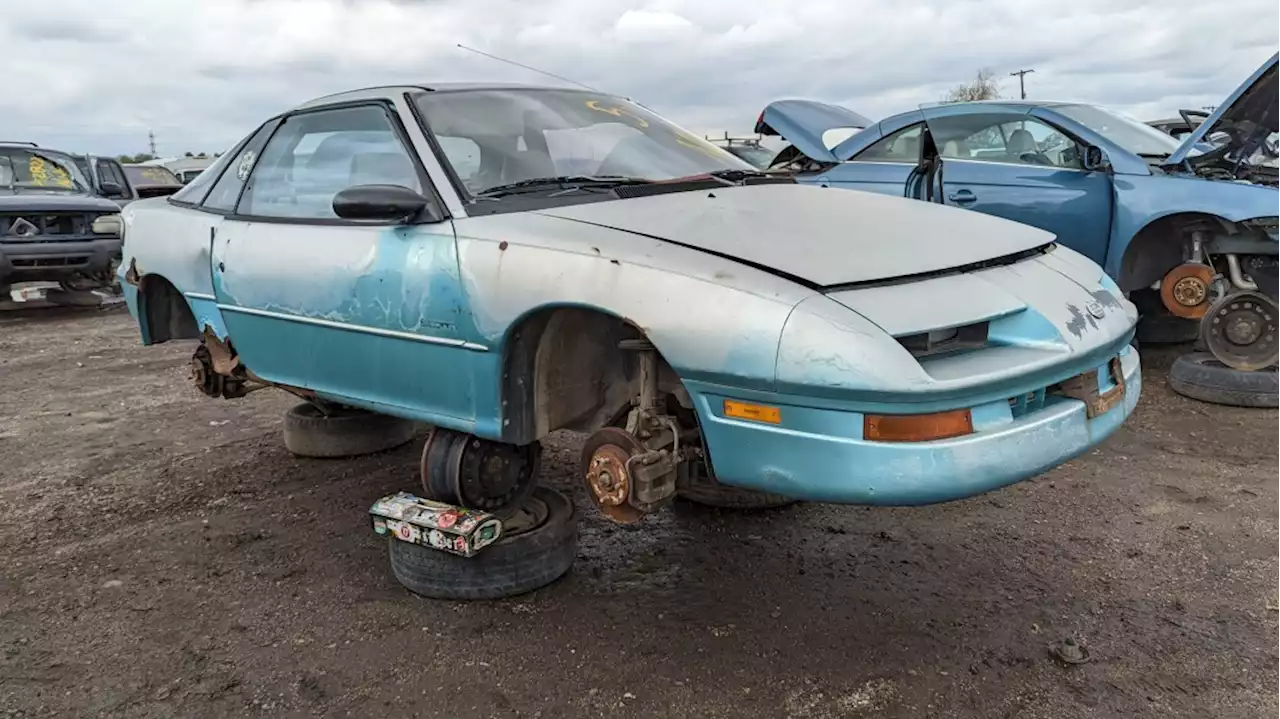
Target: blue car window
x=901 y=146
x=316 y=155
x=996 y=138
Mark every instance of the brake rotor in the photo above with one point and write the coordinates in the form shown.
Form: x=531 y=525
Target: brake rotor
x=604 y=470
x=1240 y=331
x=1185 y=290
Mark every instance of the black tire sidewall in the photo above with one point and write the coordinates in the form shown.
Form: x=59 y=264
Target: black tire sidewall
x=343 y=433
x=1200 y=376
x=512 y=566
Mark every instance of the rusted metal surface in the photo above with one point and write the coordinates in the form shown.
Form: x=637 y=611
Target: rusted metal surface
x=1084 y=387
x=606 y=456
x=224 y=358
x=1185 y=290
x=131 y=275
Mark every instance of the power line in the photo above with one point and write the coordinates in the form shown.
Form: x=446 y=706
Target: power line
x=527 y=67
x=1022 y=85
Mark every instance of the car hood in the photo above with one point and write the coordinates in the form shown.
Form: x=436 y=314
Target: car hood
x=36 y=201
x=803 y=123
x=817 y=236
x=1248 y=116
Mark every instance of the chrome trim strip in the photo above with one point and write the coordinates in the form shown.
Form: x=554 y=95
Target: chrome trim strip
x=463 y=344
x=199 y=296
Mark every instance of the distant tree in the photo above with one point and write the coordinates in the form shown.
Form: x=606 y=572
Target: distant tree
x=135 y=159
x=188 y=154
x=982 y=87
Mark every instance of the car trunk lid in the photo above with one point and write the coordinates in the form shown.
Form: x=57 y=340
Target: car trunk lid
x=803 y=123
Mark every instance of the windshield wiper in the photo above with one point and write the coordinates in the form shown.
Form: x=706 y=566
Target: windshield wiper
x=562 y=182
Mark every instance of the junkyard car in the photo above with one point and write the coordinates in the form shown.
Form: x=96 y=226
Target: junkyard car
x=419 y=252
x=1188 y=228
x=152 y=180
x=52 y=227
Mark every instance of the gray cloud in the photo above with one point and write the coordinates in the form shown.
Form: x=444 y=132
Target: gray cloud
x=203 y=74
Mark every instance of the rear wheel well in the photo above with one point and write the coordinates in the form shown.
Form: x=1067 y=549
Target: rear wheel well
x=165 y=311
x=563 y=369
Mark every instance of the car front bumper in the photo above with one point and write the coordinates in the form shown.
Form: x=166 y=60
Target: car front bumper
x=818 y=455
x=37 y=261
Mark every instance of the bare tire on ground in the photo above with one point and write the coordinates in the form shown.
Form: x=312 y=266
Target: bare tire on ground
x=344 y=432
x=707 y=491
x=73 y=298
x=539 y=544
x=1200 y=376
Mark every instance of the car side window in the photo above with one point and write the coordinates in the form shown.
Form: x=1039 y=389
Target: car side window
x=109 y=171
x=997 y=138
x=227 y=187
x=900 y=146
x=316 y=155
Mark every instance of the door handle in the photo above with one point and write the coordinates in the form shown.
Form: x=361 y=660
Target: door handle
x=962 y=197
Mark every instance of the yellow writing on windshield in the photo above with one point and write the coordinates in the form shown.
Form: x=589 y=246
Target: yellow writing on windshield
x=155 y=175
x=617 y=112
x=44 y=174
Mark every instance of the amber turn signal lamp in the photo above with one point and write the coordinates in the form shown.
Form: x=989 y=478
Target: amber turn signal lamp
x=754 y=412
x=916 y=427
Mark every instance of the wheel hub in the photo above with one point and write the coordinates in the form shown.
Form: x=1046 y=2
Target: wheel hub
x=1240 y=331
x=1185 y=290
x=605 y=456
x=607 y=475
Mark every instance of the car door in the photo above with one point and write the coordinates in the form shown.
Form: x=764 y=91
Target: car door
x=1021 y=168
x=366 y=312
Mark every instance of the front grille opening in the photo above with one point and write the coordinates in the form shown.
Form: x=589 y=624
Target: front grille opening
x=40 y=262
x=947 y=340
x=1025 y=404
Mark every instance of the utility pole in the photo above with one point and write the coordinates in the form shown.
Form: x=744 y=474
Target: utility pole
x=151 y=141
x=1022 y=86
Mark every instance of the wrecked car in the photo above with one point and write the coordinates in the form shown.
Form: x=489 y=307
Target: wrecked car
x=419 y=253
x=52 y=226
x=1186 y=228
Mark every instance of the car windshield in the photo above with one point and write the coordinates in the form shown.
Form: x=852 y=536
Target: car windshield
x=144 y=175
x=495 y=138
x=36 y=169
x=1133 y=135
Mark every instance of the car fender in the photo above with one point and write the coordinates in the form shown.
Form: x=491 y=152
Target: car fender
x=1140 y=201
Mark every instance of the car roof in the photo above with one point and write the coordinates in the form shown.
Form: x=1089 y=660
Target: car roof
x=386 y=91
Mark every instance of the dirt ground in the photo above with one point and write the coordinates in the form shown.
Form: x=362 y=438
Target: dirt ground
x=164 y=556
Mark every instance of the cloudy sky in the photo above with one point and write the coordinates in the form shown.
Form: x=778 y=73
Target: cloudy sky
x=91 y=76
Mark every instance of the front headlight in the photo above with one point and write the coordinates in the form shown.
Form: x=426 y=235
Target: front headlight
x=107 y=225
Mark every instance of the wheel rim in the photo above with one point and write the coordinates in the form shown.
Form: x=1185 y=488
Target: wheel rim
x=478 y=474
x=1240 y=331
x=494 y=477
x=604 y=471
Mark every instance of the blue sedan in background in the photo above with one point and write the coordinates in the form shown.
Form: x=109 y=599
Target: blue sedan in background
x=1187 y=227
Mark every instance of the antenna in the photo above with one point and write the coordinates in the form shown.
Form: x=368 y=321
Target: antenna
x=527 y=67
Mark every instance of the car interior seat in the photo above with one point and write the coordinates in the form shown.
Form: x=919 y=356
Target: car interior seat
x=1021 y=147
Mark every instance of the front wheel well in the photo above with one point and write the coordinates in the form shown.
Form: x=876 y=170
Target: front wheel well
x=563 y=369
x=1162 y=245
x=164 y=312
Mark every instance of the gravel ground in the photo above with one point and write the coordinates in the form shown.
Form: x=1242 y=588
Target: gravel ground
x=165 y=556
